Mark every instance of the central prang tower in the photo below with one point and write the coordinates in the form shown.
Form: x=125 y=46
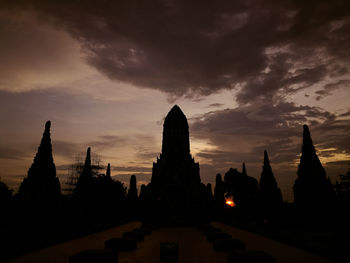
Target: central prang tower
x=175 y=175
x=176 y=138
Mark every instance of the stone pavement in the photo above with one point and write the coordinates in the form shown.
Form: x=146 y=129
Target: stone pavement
x=193 y=247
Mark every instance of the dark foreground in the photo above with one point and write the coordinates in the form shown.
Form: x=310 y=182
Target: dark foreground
x=193 y=246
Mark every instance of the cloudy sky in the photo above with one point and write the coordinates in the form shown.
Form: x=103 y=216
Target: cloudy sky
x=247 y=74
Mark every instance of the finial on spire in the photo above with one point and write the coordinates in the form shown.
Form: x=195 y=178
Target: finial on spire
x=266 y=158
x=47 y=126
x=88 y=157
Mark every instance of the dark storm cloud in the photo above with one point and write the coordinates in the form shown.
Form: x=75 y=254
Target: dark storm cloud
x=215 y=105
x=345 y=114
x=191 y=48
x=327 y=90
x=243 y=133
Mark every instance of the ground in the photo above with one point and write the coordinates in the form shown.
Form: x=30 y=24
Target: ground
x=193 y=246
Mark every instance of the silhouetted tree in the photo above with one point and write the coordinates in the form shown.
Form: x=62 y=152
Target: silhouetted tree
x=269 y=195
x=41 y=188
x=312 y=189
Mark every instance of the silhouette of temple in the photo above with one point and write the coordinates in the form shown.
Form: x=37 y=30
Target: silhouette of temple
x=241 y=187
x=312 y=189
x=269 y=195
x=219 y=192
x=41 y=188
x=132 y=193
x=175 y=176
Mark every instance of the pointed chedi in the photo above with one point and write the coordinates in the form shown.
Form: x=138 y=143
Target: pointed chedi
x=269 y=195
x=87 y=171
x=244 y=171
x=132 y=193
x=85 y=181
x=108 y=171
x=312 y=189
x=310 y=165
x=42 y=186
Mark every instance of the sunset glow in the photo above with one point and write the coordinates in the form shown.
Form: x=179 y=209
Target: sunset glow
x=106 y=81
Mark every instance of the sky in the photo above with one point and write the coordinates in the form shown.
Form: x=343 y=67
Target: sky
x=247 y=74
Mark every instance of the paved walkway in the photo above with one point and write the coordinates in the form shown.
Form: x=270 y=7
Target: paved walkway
x=60 y=253
x=281 y=252
x=193 y=247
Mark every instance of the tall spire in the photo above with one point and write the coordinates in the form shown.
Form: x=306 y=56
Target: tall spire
x=267 y=178
x=87 y=171
x=312 y=189
x=176 y=140
x=88 y=158
x=42 y=183
x=108 y=171
x=269 y=194
x=244 y=171
x=308 y=147
x=44 y=154
x=310 y=165
x=132 y=193
x=266 y=159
